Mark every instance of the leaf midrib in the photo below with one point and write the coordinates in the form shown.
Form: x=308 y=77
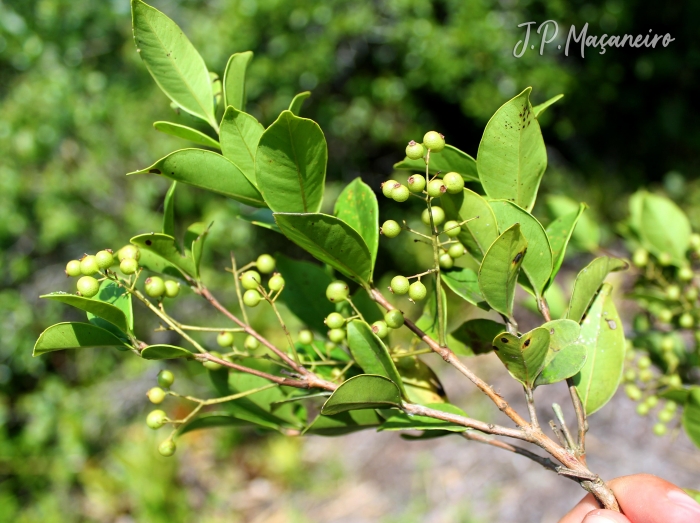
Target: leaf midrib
x=296 y=164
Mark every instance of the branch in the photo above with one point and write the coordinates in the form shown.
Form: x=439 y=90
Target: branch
x=482 y=438
x=580 y=418
x=531 y=407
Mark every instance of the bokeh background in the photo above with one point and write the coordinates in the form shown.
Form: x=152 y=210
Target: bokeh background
x=76 y=107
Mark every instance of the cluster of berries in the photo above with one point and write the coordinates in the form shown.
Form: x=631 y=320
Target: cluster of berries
x=251 y=281
x=157 y=418
x=225 y=340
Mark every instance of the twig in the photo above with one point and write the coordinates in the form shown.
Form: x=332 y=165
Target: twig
x=237 y=284
x=483 y=438
x=565 y=430
x=531 y=407
x=580 y=418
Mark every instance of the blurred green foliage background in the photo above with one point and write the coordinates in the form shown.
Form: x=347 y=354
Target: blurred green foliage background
x=76 y=107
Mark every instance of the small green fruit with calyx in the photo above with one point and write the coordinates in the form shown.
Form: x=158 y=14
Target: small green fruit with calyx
x=250 y=280
x=73 y=268
x=251 y=298
x=105 y=259
x=88 y=286
x=434 y=141
x=452 y=229
x=337 y=291
x=88 y=265
x=224 y=339
x=335 y=320
x=394 y=318
x=400 y=194
x=456 y=250
x=438 y=216
x=265 y=263
x=390 y=229
x=336 y=335
x=276 y=282
x=306 y=337
x=251 y=343
x=380 y=328
x=417 y=291
x=129 y=266
x=436 y=188
x=454 y=182
x=389 y=186
x=416 y=183
x=399 y=285
x=154 y=286
x=166 y=378
x=156 y=419
x=212 y=365
x=129 y=251
x=414 y=150
x=156 y=395
x=446 y=261
x=172 y=288
x=167 y=448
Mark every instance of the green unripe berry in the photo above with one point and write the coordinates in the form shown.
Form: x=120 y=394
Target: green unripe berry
x=88 y=265
x=129 y=266
x=380 y=328
x=416 y=183
x=336 y=335
x=250 y=280
x=673 y=292
x=630 y=375
x=675 y=381
x=633 y=392
x=686 y=320
x=666 y=415
x=105 y=259
x=652 y=401
x=456 y=250
x=685 y=273
x=389 y=186
x=276 y=282
x=129 y=251
x=641 y=323
x=414 y=150
x=156 y=419
x=417 y=291
x=224 y=339
x=337 y=291
x=665 y=316
x=454 y=182
x=695 y=240
x=436 y=188
x=642 y=409
x=335 y=320
x=156 y=395
x=306 y=337
x=671 y=406
x=166 y=378
x=452 y=229
x=438 y=216
x=646 y=375
x=251 y=298
x=434 y=141
x=640 y=257
x=399 y=285
x=691 y=294
x=88 y=286
x=212 y=365
x=668 y=343
x=172 y=288
x=394 y=318
x=167 y=448
x=154 y=286
x=446 y=261
x=665 y=259
x=251 y=343
x=644 y=362
x=660 y=429
x=400 y=194
x=73 y=268
x=390 y=229
x=265 y=263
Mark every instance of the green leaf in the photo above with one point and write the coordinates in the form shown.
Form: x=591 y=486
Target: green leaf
x=211 y=420
x=512 y=157
x=559 y=233
x=588 y=282
x=428 y=321
x=169 y=211
x=677 y=394
x=154 y=263
x=262 y=218
x=305 y=291
x=72 y=335
x=465 y=284
x=194 y=239
x=664 y=228
x=240 y=135
x=99 y=308
x=587 y=234
x=478 y=234
x=402 y=421
x=370 y=353
x=330 y=240
x=234 y=80
x=539 y=109
x=290 y=164
x=186 y=133
x=207 y=170
x=172 y=60
x=499 y=270
x=523 y=357
x=603 y=335
x=298 y=101
x=365 y=391
x=421 y=384
x=357 y=206
x=164 y=352
x=478 y=334
x=450 y=159
x=537 y=264
x=165 y=247
x=566 y=355
x=114 y=294
x=344 y=423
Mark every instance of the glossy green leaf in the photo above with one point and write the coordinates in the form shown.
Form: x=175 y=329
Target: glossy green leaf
x=465 y=284
x=290 y=164
x=165 y=247
x=479 y=233
x=234 y=80
x=207 y=170
x=99 y=308
x=172 y=60
x=664 y=228
x=566 y=355
x=524 y=357
x=195 y=236
x=186 y=133
x=115 y=295
x=72 y=335
x=357 y=206
x=603 y=335
x=499 y=270
x=402 y=421
x=540 y=108
x=344 y=423
x=169 y=211
x=587 y=234
x=537 y=264
x=240 y=135
x=512 y=157
x=420 y=382
x=212 y=420
x=330 y=240
x=559 y=233
x=365 y=391
x=587 y=283
x=154 y=263
x=164 y=352
x=478 y=334
x=450 y=159
x=370 y=353
x=298 y=101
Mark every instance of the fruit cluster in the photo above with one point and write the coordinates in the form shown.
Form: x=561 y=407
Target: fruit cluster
x=158 y=418
x=251 y=280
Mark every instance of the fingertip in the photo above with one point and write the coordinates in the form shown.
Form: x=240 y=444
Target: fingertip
x=605 y=516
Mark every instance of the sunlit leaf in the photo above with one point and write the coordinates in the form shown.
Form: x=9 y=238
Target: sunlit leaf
x=524 y=357
x=186 y=133
x=587 y=283
x=357 y=206
x=71 y=335
x=365 y=391
x=234 y=80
